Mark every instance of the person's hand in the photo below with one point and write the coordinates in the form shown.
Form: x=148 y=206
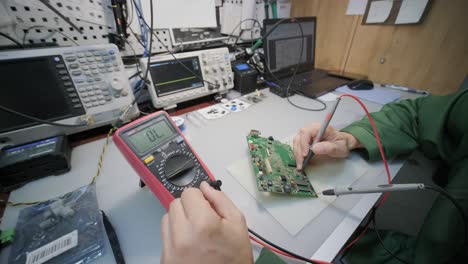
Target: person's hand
x=334 y=143
x=204 y=227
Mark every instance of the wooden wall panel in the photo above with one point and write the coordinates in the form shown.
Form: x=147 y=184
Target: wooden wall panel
x=431 y=56
x=333 y=32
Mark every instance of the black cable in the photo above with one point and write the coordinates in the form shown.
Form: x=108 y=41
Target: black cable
x=135 y=74
x=308 y=109
x=239 y=24
x=383 y=244
x=280 y=248
x=26 y=32
x=217 y=185
x=135 y=57
x=460 y=210
x=136 y=37
x=172 y=54
x=113 y=239
x=12 y=40
x=295 y=70
x=143 y=83
x=11 y=111
x=443 y=193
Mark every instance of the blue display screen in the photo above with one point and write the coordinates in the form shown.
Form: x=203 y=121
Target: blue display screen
x=242 y=67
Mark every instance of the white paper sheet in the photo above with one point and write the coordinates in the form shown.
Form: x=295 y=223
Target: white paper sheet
x=379 y=11
x=231 y=16
x=235 y=105
x=328 y=97
x=213 y=112
x=248 y=12
x=411 y=11
x=284 y=9
x=294 y=213
x=356 y=7
x=181 y=13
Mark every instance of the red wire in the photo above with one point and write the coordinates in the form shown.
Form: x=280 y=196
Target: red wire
x=382 y=154
x=384 y=197
x=376 y=133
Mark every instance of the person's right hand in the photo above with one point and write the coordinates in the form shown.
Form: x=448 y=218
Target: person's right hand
x=334 y=143
x=204 y=226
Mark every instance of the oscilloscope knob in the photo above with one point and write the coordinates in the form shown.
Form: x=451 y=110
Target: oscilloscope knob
x=116 y=85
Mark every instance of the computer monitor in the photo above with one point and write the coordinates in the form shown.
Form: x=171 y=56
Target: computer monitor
x=283 y=45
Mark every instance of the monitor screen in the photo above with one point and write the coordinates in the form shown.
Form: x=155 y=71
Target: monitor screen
x=31 y=86
x=171 y=77
x=283 y=45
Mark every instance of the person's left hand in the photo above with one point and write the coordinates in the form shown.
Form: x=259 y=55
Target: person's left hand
x=204 y=227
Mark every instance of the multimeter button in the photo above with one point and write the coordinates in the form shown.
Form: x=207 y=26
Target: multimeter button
x=179 y=140
x=70 y=58
x=76 y=73
x=149 y=159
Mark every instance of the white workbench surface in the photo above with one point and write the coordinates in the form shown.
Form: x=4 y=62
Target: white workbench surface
x=136 y=213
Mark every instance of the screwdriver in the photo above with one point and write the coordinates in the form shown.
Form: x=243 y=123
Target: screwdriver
x=321 y=132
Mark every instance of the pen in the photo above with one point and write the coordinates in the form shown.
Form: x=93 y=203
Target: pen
x=378 y=189
x=401 y=88
x=319 y=136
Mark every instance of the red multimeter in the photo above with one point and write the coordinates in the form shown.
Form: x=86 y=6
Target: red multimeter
x=161 y=155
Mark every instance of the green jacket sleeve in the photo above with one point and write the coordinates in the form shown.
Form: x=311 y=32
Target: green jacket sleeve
x=397 y=125
x=433 y=123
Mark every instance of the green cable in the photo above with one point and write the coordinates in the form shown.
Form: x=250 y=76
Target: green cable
x=274 y=9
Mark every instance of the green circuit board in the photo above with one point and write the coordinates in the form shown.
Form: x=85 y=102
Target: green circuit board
x=274 y=167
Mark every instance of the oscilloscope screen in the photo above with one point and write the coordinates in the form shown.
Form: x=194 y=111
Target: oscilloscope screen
x=171 y=77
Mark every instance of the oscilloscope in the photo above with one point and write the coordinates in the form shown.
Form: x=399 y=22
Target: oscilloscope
x=193 y=75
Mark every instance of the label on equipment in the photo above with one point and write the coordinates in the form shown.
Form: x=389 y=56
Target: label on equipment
x=30 y=150
x=53 y=248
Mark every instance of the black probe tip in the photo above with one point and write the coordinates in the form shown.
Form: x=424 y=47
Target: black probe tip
x=329 y=192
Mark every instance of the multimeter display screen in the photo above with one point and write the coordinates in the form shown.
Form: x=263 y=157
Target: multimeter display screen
x=151 y=136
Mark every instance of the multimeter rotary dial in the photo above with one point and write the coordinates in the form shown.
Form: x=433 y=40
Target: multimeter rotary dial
x=181 y=168
x=158 y=151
